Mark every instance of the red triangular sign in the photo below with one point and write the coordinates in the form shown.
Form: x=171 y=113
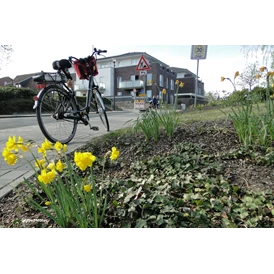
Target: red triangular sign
x=143 y=64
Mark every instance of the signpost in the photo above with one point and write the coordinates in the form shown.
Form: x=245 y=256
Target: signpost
x=198 y=52
x=142 y=67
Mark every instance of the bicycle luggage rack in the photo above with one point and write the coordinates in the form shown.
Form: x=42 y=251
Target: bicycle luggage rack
x=48 y=77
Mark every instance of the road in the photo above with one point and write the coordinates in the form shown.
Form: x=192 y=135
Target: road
x=28 y=129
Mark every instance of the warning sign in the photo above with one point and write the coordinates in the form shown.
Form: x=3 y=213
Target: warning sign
x=139 y=103
x=143 y=64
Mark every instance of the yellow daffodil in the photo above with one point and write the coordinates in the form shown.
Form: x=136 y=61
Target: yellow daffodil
x=46 y=177
x=51 y=165
x=84 y=160
x=46 y=145
x=5 y=153
x=47 y=203
x=87 y=188
x=269 y=74
x=40 y=163
x=114 y=154
x=262 y=69
x=222 y=79
x=58 y=146
x=177 y=82
x=43 y=151
x=236 y=74
x=258 y=76
x=11 y=143
x=11 y=159
x=164 y=91
x=22 y=145
x=65 y=148
x=60 y=166
x=182 y=84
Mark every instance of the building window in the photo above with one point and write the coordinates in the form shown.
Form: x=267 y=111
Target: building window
x=171 y=84
x=149 y=93
x=161 y=80
x=167 y=83
x=119 y=80
x=149 y=79
x=134 y=77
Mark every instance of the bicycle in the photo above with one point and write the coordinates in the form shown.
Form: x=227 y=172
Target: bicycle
x=57 y=109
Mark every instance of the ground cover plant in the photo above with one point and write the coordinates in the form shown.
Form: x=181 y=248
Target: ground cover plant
x=202 y=176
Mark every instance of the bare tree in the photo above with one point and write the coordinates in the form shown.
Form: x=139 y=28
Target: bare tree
x=5 y=53
x=266 y=50
x=249 y=76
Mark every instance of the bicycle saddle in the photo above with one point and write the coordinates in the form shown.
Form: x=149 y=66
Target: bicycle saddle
x=62 y=64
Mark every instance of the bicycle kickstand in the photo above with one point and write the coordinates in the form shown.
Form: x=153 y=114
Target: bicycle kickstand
x=86 y=119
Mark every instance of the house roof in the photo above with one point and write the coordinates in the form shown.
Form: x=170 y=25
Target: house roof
x=6 y=81
x=131 y=54
x=21 y=78
x=182 y=70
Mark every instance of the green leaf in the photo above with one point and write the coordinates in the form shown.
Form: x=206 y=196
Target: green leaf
x=141 y=223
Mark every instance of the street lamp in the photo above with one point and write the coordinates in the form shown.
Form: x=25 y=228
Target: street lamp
x=114 y=62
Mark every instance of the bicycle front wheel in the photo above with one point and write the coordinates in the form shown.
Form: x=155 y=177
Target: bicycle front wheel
x=101 y=109
x=54 y=108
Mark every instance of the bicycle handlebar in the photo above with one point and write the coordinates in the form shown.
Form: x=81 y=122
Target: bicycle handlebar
x=95 y=51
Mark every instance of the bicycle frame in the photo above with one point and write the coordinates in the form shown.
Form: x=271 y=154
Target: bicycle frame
x=58 y=99
x=86 y=109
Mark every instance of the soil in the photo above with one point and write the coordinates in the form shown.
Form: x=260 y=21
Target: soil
x=215 y=138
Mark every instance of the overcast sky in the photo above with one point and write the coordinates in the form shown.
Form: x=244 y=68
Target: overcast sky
x=222 y=60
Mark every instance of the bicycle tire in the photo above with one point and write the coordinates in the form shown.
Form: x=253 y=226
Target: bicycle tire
x=53 y=103
x=101 y=109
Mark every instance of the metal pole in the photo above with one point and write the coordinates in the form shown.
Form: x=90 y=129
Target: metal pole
x=114 y=88
x=196 y=86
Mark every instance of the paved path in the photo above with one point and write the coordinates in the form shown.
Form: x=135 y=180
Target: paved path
x=12 y=176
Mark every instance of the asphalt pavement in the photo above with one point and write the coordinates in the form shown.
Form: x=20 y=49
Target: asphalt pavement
x=12 y=176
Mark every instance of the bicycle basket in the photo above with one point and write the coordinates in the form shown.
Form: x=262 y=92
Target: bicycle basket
x=85 y=67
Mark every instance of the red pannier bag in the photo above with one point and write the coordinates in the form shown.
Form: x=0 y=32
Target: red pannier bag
x=85 y=67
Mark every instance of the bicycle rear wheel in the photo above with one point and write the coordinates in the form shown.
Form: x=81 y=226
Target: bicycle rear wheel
x=101 y=109
x=54 y=105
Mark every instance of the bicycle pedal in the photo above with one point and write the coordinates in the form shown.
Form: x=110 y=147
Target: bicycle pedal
x=94 y=128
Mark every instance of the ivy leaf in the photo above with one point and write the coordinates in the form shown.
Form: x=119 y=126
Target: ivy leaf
x=141 y=223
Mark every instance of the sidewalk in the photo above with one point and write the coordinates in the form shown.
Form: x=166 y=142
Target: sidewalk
x=12 y=176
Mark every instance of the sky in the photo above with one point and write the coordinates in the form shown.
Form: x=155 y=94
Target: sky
x=222 y=60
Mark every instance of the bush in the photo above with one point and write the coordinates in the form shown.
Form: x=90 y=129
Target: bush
x=14 y=100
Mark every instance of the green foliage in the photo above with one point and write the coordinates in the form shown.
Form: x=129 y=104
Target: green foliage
x=183 y=189
x=254 y=127
x=14 y=99
x=151 y=122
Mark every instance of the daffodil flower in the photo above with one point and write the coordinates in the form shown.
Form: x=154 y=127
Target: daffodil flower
x=47 y=203
x=9 y=157
x=182 y=84
x=11 y=144
x=164 y=91
x=236 y=74
x=40 y=163
x=262 y=69
x=87 y=188
x=46 y=177
x=46 y=145
x=84 y=160
x=60 y=166
x=222 y=79
x=58 y=146
x=114 y=154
